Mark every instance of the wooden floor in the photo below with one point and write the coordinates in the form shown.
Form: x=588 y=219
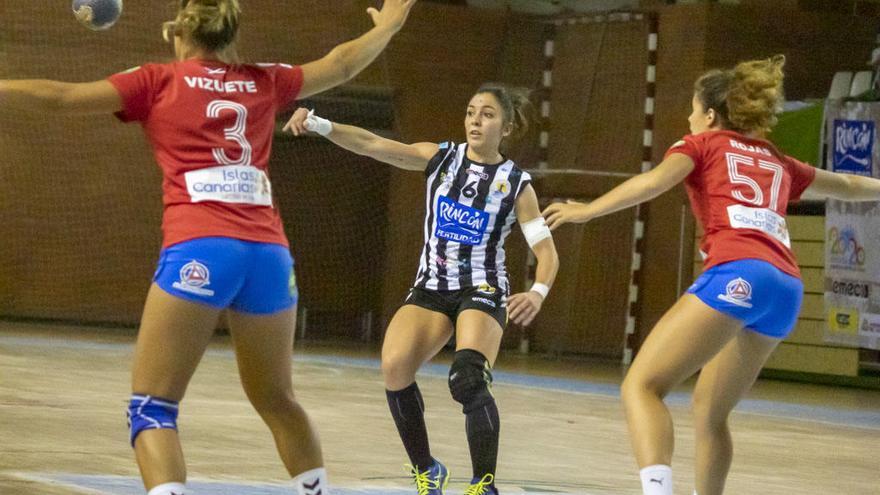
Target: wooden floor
x=63 y=392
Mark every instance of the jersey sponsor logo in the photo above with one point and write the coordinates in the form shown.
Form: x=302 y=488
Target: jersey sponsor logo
x=487 y=302
x=447 y=178
x=750 y=148
x=194 y=276
x=481 y=175
x=217 y=86
x=487 y=289
x=230 y=184
x=739 y=292
x=501 y=188
x=853 y=146
x=763 y=219
x=460 y=223
x=452 y=260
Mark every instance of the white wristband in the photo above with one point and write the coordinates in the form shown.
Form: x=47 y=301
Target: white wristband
x=540 y=289
x=317 y=124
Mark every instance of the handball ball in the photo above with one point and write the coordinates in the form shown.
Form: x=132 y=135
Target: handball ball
x=97 y=14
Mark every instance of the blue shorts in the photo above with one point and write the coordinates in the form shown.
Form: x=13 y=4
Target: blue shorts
x=250 y=277
x=765 y=298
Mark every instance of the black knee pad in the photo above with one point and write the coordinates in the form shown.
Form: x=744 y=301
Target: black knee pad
x=470 y=380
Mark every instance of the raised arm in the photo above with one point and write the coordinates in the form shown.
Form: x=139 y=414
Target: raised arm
x=53 y=97
x=523 y=307
x=641 y=188
x=363 y=142
x=843 y=186
x=348 y=59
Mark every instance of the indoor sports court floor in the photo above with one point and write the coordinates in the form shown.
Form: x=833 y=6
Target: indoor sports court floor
x=63 y=392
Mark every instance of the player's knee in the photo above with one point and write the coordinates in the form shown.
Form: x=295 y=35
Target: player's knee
x=146 y=412
x=272 y=401
x=396 y=370
x=629 y=389
x=637 y=386
x=707 y=413
x=470 y=380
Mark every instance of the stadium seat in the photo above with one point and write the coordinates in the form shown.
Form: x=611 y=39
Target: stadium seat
x=861 y=82
x=840 y=85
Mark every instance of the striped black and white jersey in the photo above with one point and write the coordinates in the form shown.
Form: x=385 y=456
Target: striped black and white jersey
x=469 y=213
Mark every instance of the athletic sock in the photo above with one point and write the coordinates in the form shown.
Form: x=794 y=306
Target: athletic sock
x=656 y=480
x=311 y=482
x=408 y=410
x=483 y=429
x=173 y=488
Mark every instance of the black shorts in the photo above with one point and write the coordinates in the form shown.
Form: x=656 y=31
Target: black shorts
x=489 y=300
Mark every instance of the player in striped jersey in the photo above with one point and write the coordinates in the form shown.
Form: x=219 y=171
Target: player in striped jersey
x=474 y=195
x=210 y=119
x=749 y=296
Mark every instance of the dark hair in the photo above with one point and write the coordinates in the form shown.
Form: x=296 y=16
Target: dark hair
x=747 y=97
x=210 y=24
x=515 y=108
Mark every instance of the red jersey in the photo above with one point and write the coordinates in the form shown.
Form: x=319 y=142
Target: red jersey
x=210 y=125
x=739 y=190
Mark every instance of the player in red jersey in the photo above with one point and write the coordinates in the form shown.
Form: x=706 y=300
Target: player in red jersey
x=210 y=119
x=749 y=296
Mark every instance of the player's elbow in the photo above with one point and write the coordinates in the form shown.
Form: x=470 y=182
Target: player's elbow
x=61 y=99
x=371 y=146
x=840 y=186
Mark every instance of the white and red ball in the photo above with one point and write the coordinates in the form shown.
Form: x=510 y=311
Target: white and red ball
x=97 y=15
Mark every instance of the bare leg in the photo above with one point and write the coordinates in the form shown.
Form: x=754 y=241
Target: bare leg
x=263 y=347
x=722 y=383
x=687 y=336
x=414 y=336
x=173 y=336
x=478 y=331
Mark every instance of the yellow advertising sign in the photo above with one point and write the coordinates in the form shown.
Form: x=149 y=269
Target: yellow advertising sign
x=843 y=320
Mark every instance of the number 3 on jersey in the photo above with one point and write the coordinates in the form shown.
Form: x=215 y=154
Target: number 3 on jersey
x=738 y=167
x=234 y=133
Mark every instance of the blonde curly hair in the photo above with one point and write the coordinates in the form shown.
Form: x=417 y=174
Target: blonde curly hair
x=747 y=97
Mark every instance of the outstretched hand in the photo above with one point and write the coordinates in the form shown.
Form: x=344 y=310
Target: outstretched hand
x=297 y=122
x=562 y=213
x=524 y=306
x=392 y=14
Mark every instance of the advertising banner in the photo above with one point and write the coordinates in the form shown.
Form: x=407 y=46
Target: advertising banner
x=852 y=229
